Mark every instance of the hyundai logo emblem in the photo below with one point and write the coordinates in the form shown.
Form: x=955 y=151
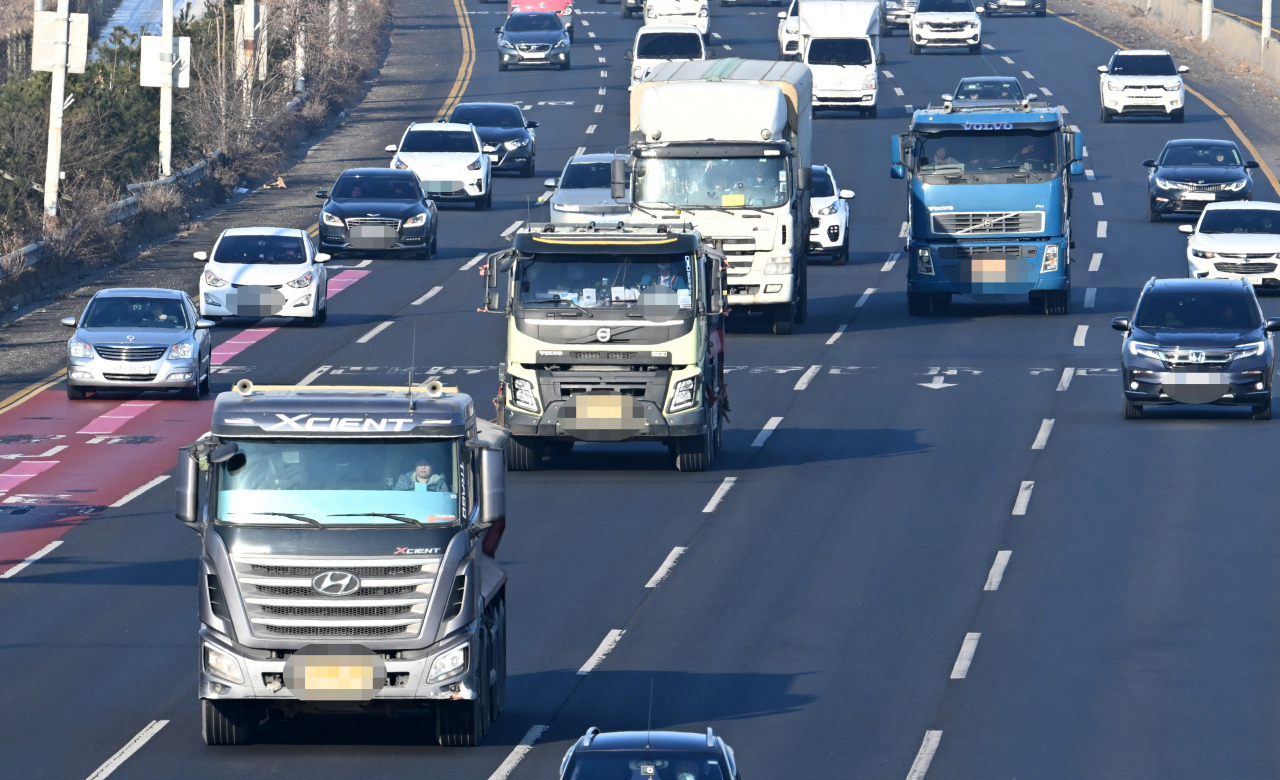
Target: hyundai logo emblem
x=335 y=583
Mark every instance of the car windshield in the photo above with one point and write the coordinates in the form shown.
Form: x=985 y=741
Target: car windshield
x=988 y=89
x=645 y=765
x=669 y=46
x=586 y=175
x=723 y=183
x=127 y=312
x=1143 y=65
x=1201 y=155
x=260 y=250
x=1264 y=221
x=956 y=154
x=823 y=187
x=439 y=141
x=376 y=188
x=488 y=116
x=650 y=284
x=1227 y=310
x=839 y=51
x=944 y=7
x=532 y=23
x=301 y=484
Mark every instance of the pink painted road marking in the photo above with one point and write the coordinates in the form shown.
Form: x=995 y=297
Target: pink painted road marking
x=112 y=420
x=239 y=343
x=344 y=280
x=23 y=472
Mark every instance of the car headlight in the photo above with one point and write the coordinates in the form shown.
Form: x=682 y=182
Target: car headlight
x=869 y=82
x=302 y=281
x=475 y=165
x=400 y=164
x=78 y=348
x=637 y=72
x=211 y=279
x=220 y=664
x=791 y=28
x=702 y=12
x=918 y=23
x=1146 y=350
x=828 y=210
x=183 y=350
x=685 y=395
x=778 y=268
x=330 y=219
x=1115 y=86
x=1249 y=350
x=522 y=394
x=1050 y=262
x=417 y=221
x=1203 y=255
x=1235 y=186
x=448 y=664
x=560 y=44
x=504 y=44
x=924 y=261
x=1168 y=185
x=564 y=207
x=1174 y=87
x=514 y=144
x=974 y=23
x=893 y=5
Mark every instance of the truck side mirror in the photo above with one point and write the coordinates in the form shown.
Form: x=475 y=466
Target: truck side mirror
x=895 y=150
x=492 y=297
x=618 y=178
x=898 y=172
x=1077 y=168
x=1077 y=148
x=187 y=478
x=493 y=487
x=804 y=178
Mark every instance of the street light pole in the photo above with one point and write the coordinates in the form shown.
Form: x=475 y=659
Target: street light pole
x=57 y=96
x=1206 y=19
x=166 y=88
x=1266 y=26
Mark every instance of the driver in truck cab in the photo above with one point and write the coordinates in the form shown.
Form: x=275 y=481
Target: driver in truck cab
x=422 y=478
x=665 y=277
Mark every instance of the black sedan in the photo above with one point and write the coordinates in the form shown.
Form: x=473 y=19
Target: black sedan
x=533 y=38
x=1193 y=172
x=507 y=136
x=377 y=210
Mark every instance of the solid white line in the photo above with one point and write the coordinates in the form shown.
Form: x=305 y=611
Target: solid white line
x=1006 y=59
x=1102 y=228
x=314 y=375
x=1081 y=332
x=591 y=129
x=765 y=432
x=30 y=560
x=898 y=91
x=1096 y=262
x=1045 y=91
x=902 y=231
x=1024 y=498
x=131 y=747
x=1088 y=174
x=1065 y=381
x=887 y=74
x=610 y=640
x=517 y=754
x=1090 y=297
x=719 y=495
x=132 y=494
x=471 y=263
x=1042 y=438
x=807 y=377
x=927 y=748
x=381 y=326
x=997 y=570
x=967 y=648
x=599 y=108
x=836 y=336
x=430 y=294
x=1028 y=75
x=863 y=300
x=1097 y=198
x=665 y=568
x=513 y=228
x=581 y=150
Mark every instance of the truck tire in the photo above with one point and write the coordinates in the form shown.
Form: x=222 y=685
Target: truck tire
x=460 y=723
x=226 y=722
x=1128 y=410
x=918 y=304
x=693 y=453
x=523 y=453
x=802 y=300
x=782 y=316
x=498 y=655
x=1057 y=302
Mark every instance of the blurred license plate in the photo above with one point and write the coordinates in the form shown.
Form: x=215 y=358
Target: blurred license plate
x=493 y=158
x=131 y=368
x=1256 y=281
x=1015 y=3
x=1199 y=196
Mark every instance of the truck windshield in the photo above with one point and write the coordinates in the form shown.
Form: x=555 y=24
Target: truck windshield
x=655 y=286
x=956 y=154
x=322 y=484
x=724 y=183
x=839 y=51
x=669 y=46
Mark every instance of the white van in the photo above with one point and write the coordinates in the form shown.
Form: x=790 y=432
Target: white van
x=840 y=42
x=692 y=13
x=655 y=45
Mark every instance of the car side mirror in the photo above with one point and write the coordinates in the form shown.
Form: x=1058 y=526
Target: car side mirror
x=627 y=55
x=1184 y=69
x=1148 y=163
x=1120 y=324
x=204 y=324
x=498 y=30
x=549 y=184
x=1102 y=68
x=322 y=194
x=1251 y=165
x=711 y=54
x=1273 y=324
x=1032 y=96
x=322 y=257
x=200 y=255
x=391 y=148
x=530 y=124
x=846 y=194
x=782 y=14
x=1188 y=229
x=68 y=322
x=948 y=98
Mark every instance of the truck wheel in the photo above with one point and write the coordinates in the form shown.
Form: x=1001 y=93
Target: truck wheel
x=870 y=113
x=1130 y=411
x=693 y=453
x=459 y=723
x=802 y=300
x=1262 y=412
x=498 y=656
x=1057 y=301
x=918 y=304
x=523 y=454
x=782 y=316
x=226 y=722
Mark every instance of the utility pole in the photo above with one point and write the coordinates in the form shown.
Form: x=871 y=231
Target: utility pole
x=166 y=88
x=57 y=97
x=1266 y=26
x=300 y=52
x=1206 y=19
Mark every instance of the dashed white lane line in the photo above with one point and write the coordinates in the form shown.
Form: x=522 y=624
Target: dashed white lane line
x=471 y=263
x=314 y=375
x=1065 y=381
x=513 y=228
x=1024 y=497
x=583 y=22
x=967 y=648
x=517 y=754
x=610 y=641
x=666 y=567
x=581 y=150
x=898 y=91
x=602 y=60
x=988 y=47
x=1042 y=438
x=726 y=47
x=766 y=432
x=1028 y=75
x=599 y=108
x=836 y=336
x=132 y=494
x=429 y=295
x=604 y=74
x=602 y=90
x=997 y=570
x=807 y=377
x=591 y=35
x=1096 y=262
x=1102 y=228
x=1006 y=59
x=925 y=755
x=381 y=326
x=887 y=74
x=1045 y=91
x=1081 y=332
x=1090 y=297
x=591 y=129
x=597 y=46
x=1088 y=174
x=719 y=495
x=888 y=264
x=35 y=556
x=715 y=35
x=1097 y=198
x=131 y=747
x=865 y=297
x=902 y=231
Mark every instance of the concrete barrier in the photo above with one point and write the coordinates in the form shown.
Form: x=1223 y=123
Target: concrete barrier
x=1232 y=37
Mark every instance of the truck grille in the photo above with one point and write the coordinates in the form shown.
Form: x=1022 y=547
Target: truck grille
x=969 y=252
x=125 y=353
x=986 y=222
x=390 y=601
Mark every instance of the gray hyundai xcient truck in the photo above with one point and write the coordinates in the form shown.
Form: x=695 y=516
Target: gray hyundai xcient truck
x=347 y=536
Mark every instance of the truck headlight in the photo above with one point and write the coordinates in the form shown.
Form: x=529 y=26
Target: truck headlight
x=80 y=349
x=330 y=219
x=777 y=268
x=685 y=395
x=522 y=394
x=211 y=279
x=869 y=82
x=182 y=351
x=924 y=261
x=448 y=664
x=417 y=221
x=302 y=281
x=223 y=665
x=1203 y=255
x=1050 y=259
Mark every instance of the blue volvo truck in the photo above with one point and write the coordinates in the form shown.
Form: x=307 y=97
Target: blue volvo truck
x=989 y=209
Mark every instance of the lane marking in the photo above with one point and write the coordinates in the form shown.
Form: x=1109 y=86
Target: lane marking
x=431 y=293
x=715 y=35
x=1024 y=497
x=836 y=336
x=472 y=262
x=465 y=67
x=925 y=756
x=719 y=495
x=604 y=74
x=1081 y=332
x=581 y=150
x=314 y=375
x=865 y=296
x=988 y=47
x=591 y=35
x=997 y=570
x=1028 y=75
x=887 y=74
x=766 y=432
x=1090 y=297
x=807 y=377
x=513 y=228
x=1006 y=59
x=597 y=46
x=111 y=421
x=381 y=326
x=1045 y=91
x=49 y=453
x=517 y=754
x=665 y=568
x=1097 y=198
x=602 y=90
x=131 y=747
x=1088 y=174
x=602 y=60
x=902 y=231
x=1096 y=262
x=609 y=642
x=344 y=280
x=898 y=91
x=1063 y=109
x=910 y=108
x=591 y=129
x=247 y=338
x=967 y=648
x=1042 y=438
x=599 y=108
x=726 y=47
x=888 y=264
x=1065 y=381
x=132 y=494
x=1102 y=228
x=30 y=391
x=30 y=559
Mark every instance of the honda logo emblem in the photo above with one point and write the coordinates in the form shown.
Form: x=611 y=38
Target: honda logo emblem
x=335 y=583
x=1197 y=357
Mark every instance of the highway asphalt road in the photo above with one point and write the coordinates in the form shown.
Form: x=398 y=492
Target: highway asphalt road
x=941 y=489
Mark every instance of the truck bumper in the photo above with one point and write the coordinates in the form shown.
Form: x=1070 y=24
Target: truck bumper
x=991 y=269
x=648 y=423
x=759 y=290
x=857 y=98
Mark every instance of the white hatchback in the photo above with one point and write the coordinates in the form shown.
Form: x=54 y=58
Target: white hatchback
x=264 y=272
x=448 y=160
x=1237 y=240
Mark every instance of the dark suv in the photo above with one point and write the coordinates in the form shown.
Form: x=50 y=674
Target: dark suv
x=1197 y=341
x=649 y=755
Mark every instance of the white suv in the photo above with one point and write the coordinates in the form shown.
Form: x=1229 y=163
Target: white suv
x=677 y=12
x=829 y=207
x=656 y=44
x=1143 y=82
x=448 y=160
x=946 y=24
x=1239 y=240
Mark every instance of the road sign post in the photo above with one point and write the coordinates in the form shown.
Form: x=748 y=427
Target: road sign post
x=59 y=43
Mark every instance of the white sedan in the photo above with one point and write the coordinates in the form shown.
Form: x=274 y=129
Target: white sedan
x=264 y=272
x=1236 y=240
x=449 y=161
x=829 y=206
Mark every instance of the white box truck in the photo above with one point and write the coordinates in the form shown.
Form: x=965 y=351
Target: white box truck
x=840 y=42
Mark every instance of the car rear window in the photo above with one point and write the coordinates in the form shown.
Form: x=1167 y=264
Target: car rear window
x=669 y=46
x=260 y=250
x=439 y=141
x=1226 y=310
x=589 y=175
x=1143 y=65
x=135 y=312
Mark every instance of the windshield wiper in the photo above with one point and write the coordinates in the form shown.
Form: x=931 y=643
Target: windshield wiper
x=291 y=516
x=1014 y=167
x=712 y=208
x=560 y=300
x=401 y=518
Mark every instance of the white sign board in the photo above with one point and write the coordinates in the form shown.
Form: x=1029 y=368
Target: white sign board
x=151 y=72
x=45 y=35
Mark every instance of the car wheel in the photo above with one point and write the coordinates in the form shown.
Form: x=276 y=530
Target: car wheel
x=190 y=393
x=482 y=202
x=1041 y=13
x=1129 y=410
x=530 y=167
x=975 y=48
x=570 y=35
x=915 y=49
x=1177 y=116
x=565 y=65
x=842 y=255
x=502 y=66
x=204 y=383
x=1262 y=412
x=75 y=393
x=1104 y=115
x=1152 y=214
x=324 y=313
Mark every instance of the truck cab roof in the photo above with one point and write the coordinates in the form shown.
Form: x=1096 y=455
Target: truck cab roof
x=585 y=239
x=1010 y=116
x=342 y=411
